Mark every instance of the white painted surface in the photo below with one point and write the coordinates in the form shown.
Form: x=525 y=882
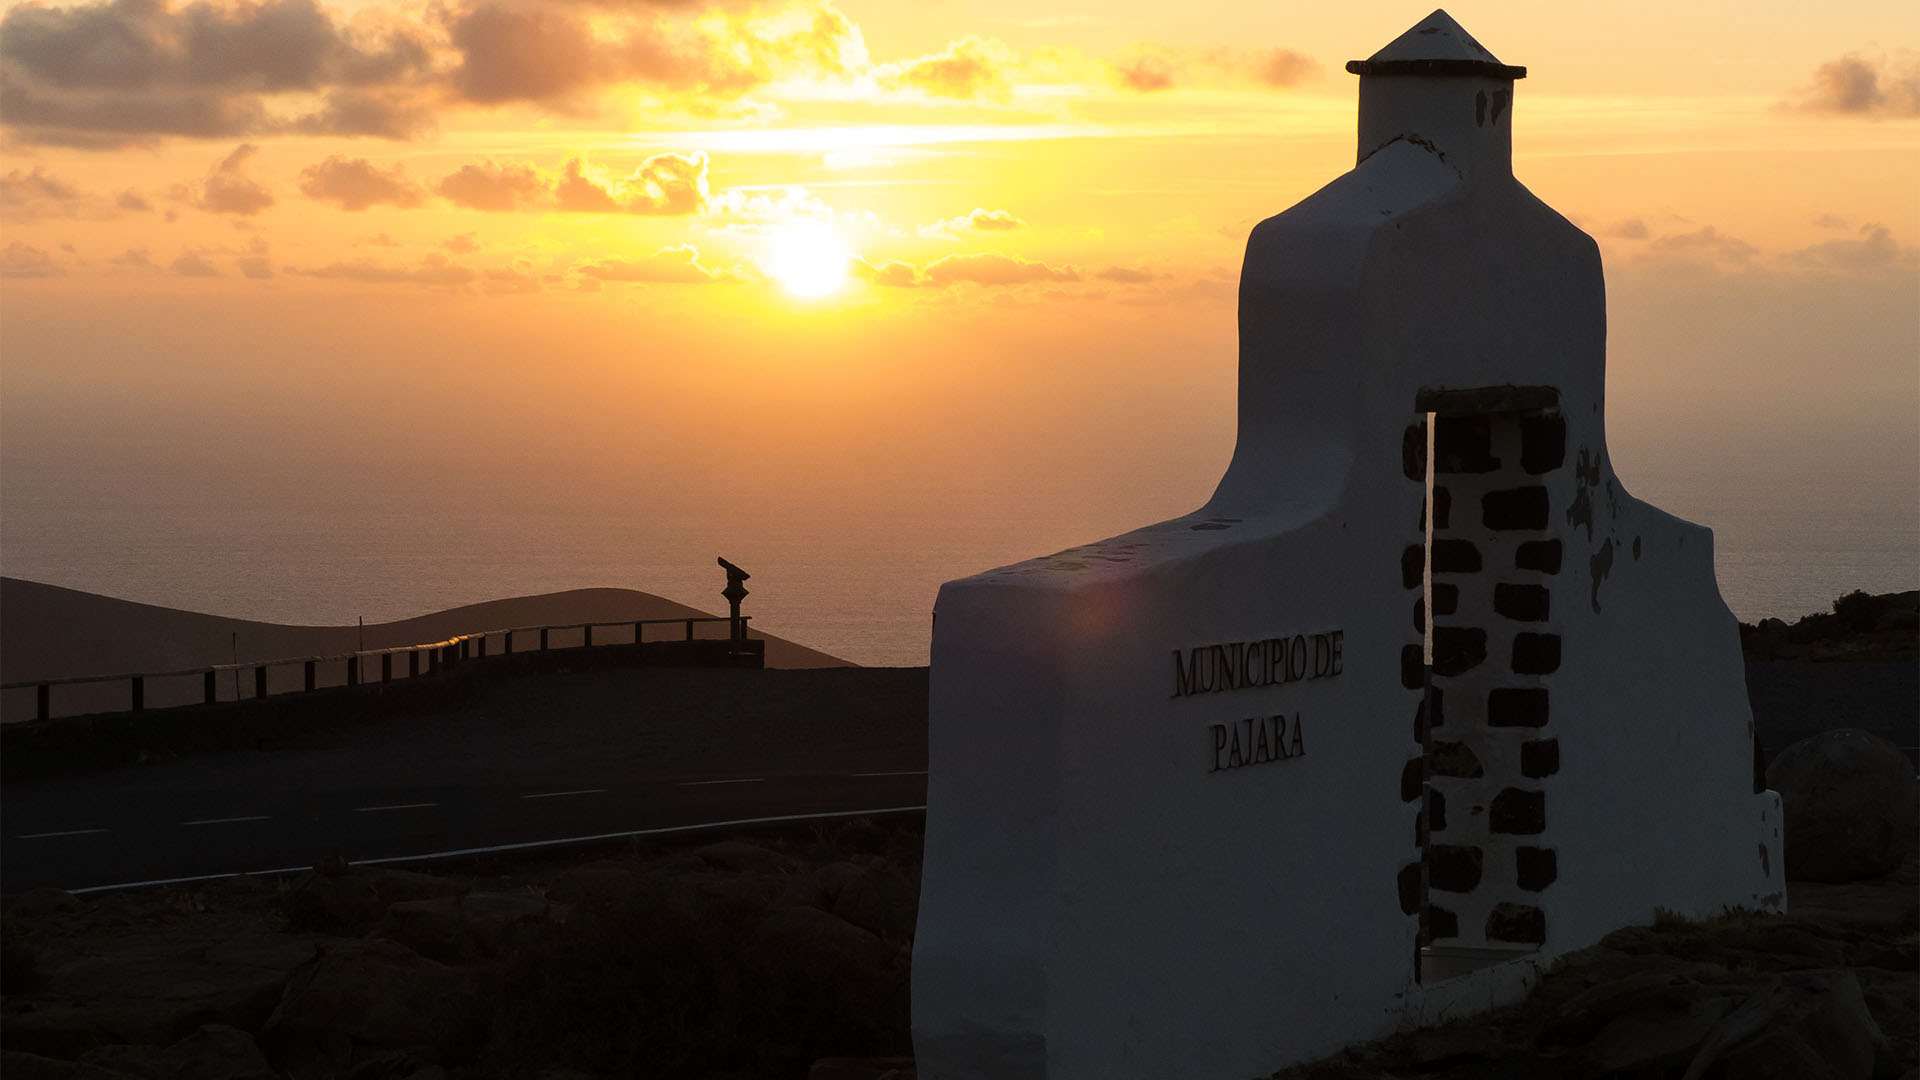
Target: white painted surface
x=1095 y=902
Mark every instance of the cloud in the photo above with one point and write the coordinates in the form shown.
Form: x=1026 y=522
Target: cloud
x=256 y=267
x=21 y=261
x=1281 y=67
x=1704 y=243
x=193 y=264
x=554 y=56
x=973 y=67
x=487 y=186
x=1126 y=275
x=1146 y=73
x=985 y=268
x=135 y=259
x=357 y=184
x=1876 y=249
x=669 y=266
x=115 y=71
x=1854 y=85
x=664 y=184
x=978 y=220
x=228 y=190
x=1152 y=68
x=436 y=269
x=26 y=196
x=1630 y=229
x=464 y=244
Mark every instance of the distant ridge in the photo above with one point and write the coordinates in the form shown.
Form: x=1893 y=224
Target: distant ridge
x=50 y=632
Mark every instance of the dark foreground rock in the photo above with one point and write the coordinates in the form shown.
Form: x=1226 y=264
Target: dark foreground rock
x=1852 y=805
x=728 y=959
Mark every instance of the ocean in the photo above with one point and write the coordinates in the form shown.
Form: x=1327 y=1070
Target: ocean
x=857 y=579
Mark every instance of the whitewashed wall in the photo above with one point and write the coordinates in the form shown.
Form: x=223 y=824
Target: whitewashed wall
x=1098 y=899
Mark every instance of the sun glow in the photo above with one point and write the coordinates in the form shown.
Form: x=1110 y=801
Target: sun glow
x=808 y=260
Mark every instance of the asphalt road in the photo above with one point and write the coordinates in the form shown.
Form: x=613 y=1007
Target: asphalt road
x=535 y=759
x=524 y=760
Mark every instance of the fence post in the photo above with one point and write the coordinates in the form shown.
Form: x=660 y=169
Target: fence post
x=506 y=643
x=44 y=700
x=466 y=647
x=689 y=629
x=482 y=646
x=208 y=686
x=353 y=671
x=386 y=667
x=260 y=680
x=413 y=663
x=310 y=681
x=588 y=641
x=433 y=661
x=139 y=692
x=543 y=639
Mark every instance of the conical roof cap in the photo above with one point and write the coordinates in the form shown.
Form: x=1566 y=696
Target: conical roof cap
x=1436 y=46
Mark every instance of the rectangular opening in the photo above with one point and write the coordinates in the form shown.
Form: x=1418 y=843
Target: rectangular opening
x=1484 y=616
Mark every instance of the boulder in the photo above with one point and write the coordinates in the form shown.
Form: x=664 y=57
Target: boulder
x=1810 y=1025
x=878 y=899
x=377 y=993
x=41 y=902
x=453 y=929
x=342 y=899
x=806 y=939
x=217 y=1052
x=1851 y=801
x=742 y=857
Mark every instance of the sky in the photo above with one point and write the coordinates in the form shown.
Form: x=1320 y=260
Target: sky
x=916 y=257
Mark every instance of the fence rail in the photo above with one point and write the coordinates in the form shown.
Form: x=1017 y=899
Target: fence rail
x=439 y=654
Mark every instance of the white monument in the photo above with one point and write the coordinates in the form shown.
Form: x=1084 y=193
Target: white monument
x=1175 y=820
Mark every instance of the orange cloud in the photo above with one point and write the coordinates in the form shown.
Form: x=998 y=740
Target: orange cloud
x=1853 y=85
x=487 y=186
x=357 y=184
x=979 y=220
x=21 y=261
x=228 y=190
x=678 y=265
x=973 y=67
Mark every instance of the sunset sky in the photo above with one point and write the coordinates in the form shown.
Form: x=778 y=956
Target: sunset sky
x=594 y=248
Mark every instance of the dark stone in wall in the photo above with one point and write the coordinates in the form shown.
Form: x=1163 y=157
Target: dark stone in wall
x=1543 y=443
x=1535 y=868
x=1517 y=922
x=1522 y=603
x=1453 y=557
x=1517 y=812
x=1458 y=649
x=1413 y=776
x=1454 y=759
x=1539 y=758
x=1429 y=715
x=1441 y=923
x=1409 y=887
x=1517 y=706
x=1446 y=598
x=1412 y=559
x=1540 y=555
x=1454 y=868
x=1519 y=508
x=1436 y=810
x=1413 y=453
x=1463 y=444
x=1413 y=667
x=1534 y=654
x=1442 y=507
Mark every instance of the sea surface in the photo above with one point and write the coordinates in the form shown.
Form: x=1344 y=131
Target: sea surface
x=856 y=580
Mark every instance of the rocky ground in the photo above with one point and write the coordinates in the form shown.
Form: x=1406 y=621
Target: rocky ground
x=737 y=958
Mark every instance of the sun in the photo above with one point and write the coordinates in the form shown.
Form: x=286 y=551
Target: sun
x=808 y=260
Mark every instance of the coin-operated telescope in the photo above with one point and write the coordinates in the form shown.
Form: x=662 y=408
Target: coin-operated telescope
x=735 y=592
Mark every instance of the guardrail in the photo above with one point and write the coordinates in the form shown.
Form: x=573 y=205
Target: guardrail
x=439 y=654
